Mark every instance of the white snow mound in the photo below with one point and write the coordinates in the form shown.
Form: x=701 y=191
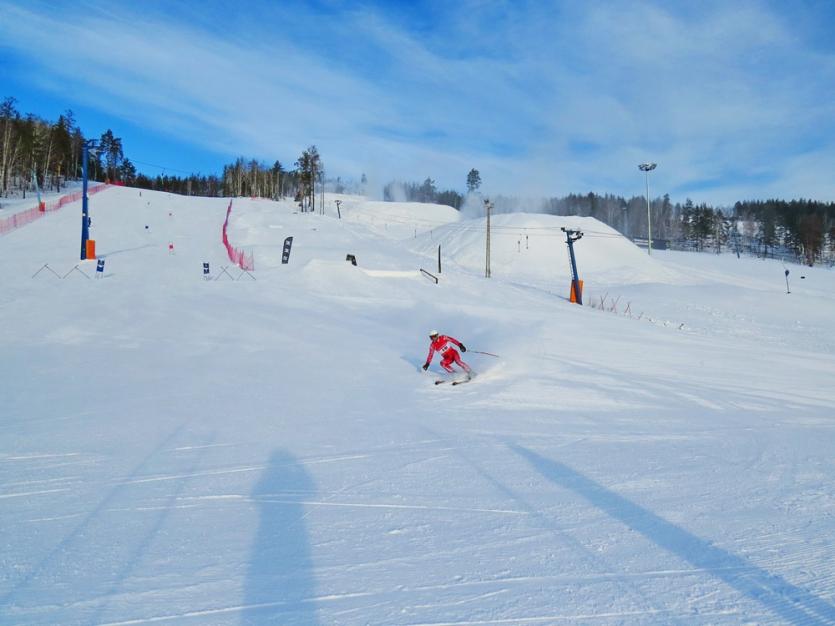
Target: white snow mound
x=531 y=247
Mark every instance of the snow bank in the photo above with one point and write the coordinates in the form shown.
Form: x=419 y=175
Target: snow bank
x=531 y=247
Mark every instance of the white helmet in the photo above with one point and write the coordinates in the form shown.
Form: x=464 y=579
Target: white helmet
x=433 y=333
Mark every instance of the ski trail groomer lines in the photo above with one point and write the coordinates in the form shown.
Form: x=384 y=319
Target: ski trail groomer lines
x=443 y=344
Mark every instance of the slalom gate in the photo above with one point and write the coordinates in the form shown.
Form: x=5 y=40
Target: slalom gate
x=240 y=258
x=18 y=220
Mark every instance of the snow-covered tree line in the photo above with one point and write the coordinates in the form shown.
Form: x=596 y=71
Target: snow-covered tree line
x=802 y=229
x=36 y=153
x=242 y=177
x=799 y=229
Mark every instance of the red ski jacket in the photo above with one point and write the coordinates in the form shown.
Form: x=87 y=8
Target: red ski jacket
x=441 y=345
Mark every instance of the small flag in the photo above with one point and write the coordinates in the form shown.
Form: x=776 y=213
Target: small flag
x=285 y=255
x=100 y=268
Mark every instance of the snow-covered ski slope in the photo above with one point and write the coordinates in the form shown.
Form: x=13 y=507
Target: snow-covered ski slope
x=176 y=450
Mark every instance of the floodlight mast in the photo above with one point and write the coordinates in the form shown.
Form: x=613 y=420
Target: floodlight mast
x=646 y=168
x=488 y=207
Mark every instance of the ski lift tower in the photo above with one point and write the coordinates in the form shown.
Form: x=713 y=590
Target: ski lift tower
x=576 y=284
x=85 y=212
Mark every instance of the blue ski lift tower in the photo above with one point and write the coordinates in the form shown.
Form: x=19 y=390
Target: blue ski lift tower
x=89 y=145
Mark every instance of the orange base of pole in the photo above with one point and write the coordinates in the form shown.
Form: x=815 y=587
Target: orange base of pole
x=573 y=296
x=91 y=249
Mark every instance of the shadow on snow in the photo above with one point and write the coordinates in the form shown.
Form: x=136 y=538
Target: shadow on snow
x=791 y=603
x=279 y=583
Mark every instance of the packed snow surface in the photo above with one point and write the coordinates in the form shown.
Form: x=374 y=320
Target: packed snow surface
x=264 y=448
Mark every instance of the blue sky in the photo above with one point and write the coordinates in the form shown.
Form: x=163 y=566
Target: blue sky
x=733 y=100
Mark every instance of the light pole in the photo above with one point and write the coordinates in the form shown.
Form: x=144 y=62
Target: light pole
x=488 y=206
x=85 y=213
x=646 y=168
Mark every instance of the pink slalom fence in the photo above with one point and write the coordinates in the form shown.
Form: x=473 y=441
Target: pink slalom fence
x=238 y=257
x=18 y=220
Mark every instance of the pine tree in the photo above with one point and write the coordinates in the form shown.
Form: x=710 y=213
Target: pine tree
x=428 y=191
x=63 y=149
x=127 y=172
x=110 y=147
x=308 y=166
x=473 y=180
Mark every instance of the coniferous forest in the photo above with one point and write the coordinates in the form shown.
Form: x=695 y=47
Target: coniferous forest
x=40 y=154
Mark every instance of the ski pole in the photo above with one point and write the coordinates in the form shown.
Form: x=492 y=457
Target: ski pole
x=487 y=353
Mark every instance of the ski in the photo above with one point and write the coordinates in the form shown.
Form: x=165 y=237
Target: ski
x=454 y=382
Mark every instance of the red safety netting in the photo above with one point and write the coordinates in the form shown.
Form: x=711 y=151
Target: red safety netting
x=238 y=257
x=28 y=216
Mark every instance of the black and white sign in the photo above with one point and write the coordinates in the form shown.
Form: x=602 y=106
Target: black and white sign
x=285 y=256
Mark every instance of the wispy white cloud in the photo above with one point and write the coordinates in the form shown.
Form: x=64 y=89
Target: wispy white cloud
x=543 y=98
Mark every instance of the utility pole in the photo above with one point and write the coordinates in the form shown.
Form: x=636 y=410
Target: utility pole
x=488 y=207
x=570 y=237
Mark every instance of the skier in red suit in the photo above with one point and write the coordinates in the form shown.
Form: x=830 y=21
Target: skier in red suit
x=449 y=355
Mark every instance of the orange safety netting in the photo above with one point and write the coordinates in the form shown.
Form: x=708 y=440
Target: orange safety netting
x=28 y=216
x=238 y=257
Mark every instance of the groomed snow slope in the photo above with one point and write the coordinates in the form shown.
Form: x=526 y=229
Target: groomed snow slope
x=532 y=248
x=175 y=450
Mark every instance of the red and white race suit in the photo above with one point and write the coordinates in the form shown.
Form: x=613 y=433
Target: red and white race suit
x=449 y=355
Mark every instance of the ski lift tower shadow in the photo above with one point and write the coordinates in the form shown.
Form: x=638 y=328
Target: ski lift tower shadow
x=280 y=587
x=792 y=604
